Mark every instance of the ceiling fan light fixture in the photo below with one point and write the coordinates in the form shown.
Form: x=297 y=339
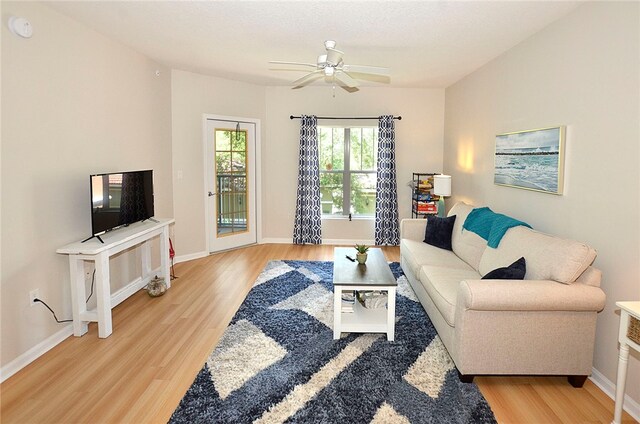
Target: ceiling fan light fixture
x=332 y=67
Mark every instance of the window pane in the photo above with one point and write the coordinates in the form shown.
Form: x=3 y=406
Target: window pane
x=338 y=148
x=331 y=193
x=225 y=205
x=223 y=162
x=239 y=184
x=224 y=183
x=356 y=149
x=239 y=161
x=222 y=140
x=324 y=148
x=369 y=149
x=238 y=140
x=331 y=148
x=363 y=194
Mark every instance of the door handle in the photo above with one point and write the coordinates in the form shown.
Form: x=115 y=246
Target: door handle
x=211 y=194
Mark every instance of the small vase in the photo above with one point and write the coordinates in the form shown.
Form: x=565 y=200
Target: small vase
x=156 y=287
x=361 y=257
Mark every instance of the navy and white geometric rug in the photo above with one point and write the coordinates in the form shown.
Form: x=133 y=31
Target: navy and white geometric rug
x=277 y=362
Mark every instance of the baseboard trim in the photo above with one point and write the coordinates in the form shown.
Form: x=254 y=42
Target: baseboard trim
x=189 y=257
x=275 y=240
x=631 y=406
x=347 y=242
x=35 y=352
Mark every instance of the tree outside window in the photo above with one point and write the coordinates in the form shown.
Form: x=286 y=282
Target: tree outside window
x=348 y=159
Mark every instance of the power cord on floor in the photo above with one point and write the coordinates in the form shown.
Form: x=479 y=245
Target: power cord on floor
x=93 y=280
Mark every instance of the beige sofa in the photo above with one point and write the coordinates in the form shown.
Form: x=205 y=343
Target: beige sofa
x=542 y=325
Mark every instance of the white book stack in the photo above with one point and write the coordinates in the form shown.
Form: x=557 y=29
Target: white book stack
x=348 y=301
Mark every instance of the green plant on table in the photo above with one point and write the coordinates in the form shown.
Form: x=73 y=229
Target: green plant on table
x=362 y=248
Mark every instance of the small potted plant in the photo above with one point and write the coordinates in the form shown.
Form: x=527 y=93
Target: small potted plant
x=362 y=250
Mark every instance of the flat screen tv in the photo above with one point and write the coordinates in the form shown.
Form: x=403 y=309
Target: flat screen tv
x=119 y=199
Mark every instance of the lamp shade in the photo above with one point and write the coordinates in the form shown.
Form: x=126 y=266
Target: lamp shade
x=442 y=185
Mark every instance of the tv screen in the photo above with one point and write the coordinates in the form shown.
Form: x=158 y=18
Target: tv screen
x=120 y=199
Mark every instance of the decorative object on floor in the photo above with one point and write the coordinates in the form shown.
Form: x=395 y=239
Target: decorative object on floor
x=533 y=160
x=361 y=256
x=442 y=188
x=307 y=226
x=277 y=362
x=156 y=287
x=387 y=225
x=332 y=68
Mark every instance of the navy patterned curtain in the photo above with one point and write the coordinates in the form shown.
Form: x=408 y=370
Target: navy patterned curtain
x=308 y=225
x=387 y=226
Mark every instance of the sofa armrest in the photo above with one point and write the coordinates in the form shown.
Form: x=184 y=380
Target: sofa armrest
x=528 y=295
x=413 y=229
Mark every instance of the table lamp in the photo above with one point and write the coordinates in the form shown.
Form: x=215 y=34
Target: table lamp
x=442 y=188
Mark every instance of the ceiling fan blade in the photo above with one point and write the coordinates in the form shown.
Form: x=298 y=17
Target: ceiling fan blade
x=308 y=78
x=364 y=69
x=278 y=62
x=334 y=56
x=346 y=79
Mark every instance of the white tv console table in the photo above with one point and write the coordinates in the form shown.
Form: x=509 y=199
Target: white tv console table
x=115 y=241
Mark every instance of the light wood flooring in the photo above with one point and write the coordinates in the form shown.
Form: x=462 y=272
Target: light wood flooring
x=140 y=373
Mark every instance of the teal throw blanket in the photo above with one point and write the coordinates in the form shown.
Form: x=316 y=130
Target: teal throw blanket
x=489 y=225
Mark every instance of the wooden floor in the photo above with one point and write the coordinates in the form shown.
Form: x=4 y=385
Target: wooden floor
x=140 y=373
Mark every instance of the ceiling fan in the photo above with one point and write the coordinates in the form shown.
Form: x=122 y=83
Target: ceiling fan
x=332 y=66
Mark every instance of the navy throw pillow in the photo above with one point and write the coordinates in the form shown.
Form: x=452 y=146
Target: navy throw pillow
x=438 y=231
x=515 y=271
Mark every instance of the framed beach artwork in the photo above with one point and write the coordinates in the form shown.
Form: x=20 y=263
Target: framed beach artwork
x=532 y=160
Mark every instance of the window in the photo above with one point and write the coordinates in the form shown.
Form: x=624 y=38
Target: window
x=348 y=159
x=231 y=180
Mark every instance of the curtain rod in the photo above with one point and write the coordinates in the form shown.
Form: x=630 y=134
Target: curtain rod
x=345 y=117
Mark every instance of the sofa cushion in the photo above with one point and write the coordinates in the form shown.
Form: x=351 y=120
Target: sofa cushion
x=441 y=283
x=438 y=231
x=548 y=257
x=466 y=244
x=417 y=254
x=515 y=271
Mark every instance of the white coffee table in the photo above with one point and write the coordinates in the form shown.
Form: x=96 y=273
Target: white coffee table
x=374 y=275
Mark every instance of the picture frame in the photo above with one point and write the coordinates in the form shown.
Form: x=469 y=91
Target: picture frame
x=531 y=159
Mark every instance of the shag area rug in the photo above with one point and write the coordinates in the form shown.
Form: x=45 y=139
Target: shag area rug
x=277 y=362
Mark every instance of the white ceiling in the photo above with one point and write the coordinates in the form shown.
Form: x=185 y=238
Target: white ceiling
x=425 y=44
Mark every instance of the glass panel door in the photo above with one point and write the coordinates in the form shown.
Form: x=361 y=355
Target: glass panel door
x=231 y=184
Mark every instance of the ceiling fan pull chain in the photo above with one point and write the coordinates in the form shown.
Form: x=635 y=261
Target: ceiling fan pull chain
x=334 y=86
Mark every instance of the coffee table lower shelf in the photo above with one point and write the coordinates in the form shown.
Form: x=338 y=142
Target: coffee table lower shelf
x=363 y=320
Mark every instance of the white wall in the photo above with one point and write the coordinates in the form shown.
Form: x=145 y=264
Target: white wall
x=73 y=103
x=419 y=138
x=193 y=95
x=582 y=71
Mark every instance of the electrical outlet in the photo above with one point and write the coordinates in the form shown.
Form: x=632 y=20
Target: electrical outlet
x=33 y=295
x=88 y=268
